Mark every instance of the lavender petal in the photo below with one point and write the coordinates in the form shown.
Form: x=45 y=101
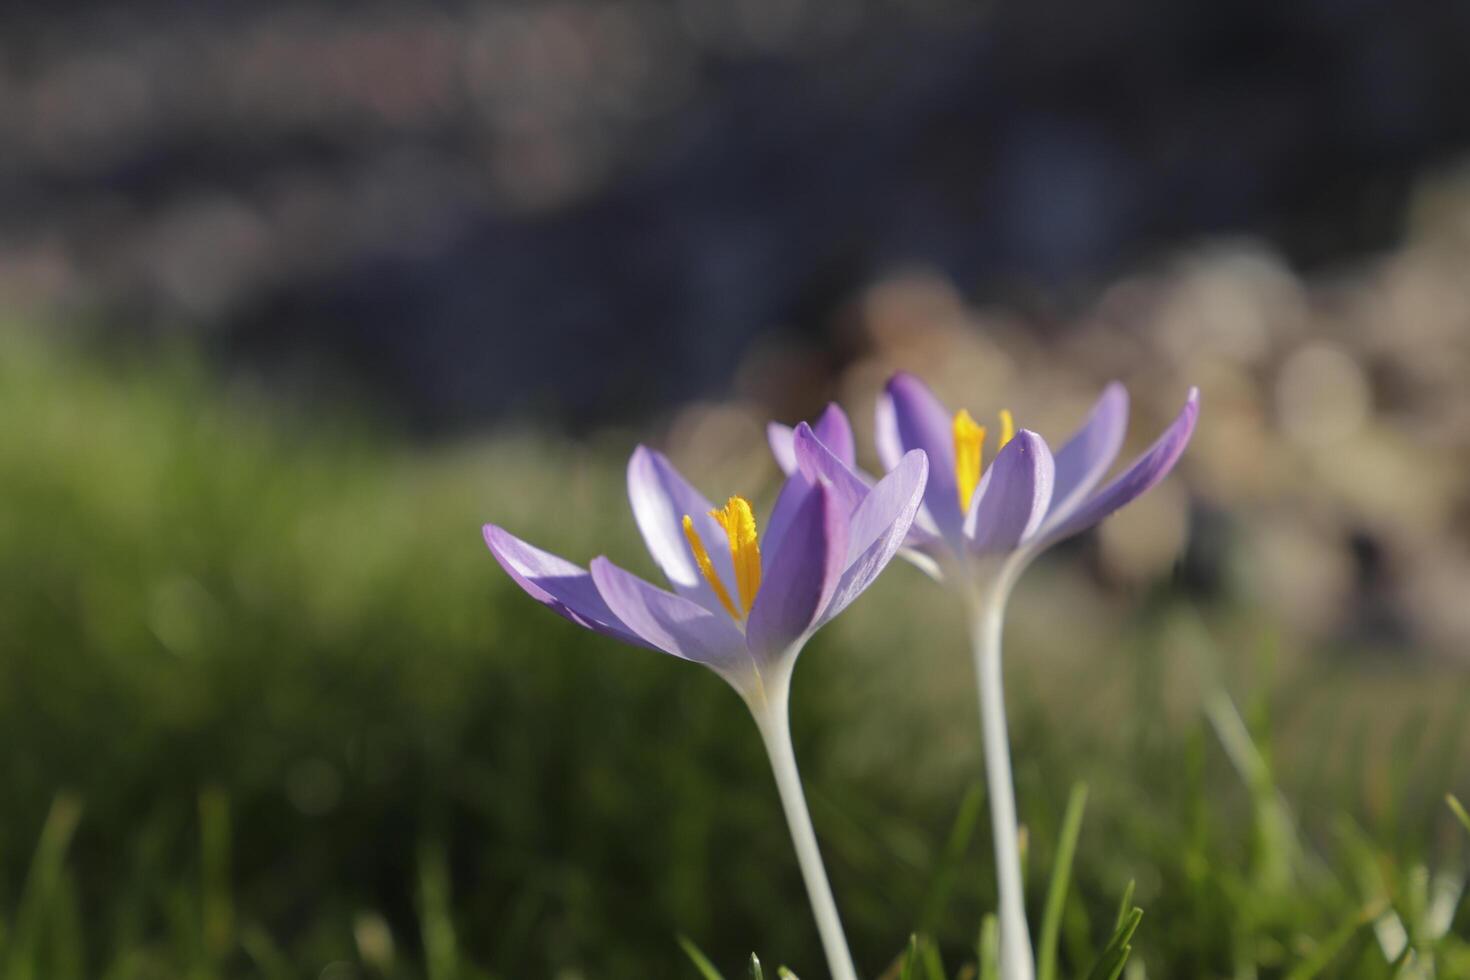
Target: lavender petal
x=661 y=497
x=778 y=437
x=922 y=422
x=564 y=588
x=800 y=575
x=1140 y=476
x=1084 y=460
x=879 y=527
x=666 y=621
x=820 y=465
x=832 y=428
x=1011 y=500
x=835 y=431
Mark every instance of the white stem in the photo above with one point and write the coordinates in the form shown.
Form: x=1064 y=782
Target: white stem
x=986 y=618
x=772 y=720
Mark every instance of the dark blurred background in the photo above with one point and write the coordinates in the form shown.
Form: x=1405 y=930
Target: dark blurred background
x=294 y=296
x=592 y=208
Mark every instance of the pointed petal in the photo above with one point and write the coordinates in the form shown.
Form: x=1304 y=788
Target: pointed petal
x=832 y=428
x=924 y=531
x=815 y=464
x=556 y=583
x=661 y=497
x=1011 y=500
x=778 y=436
x=801 y=574
x=1085 y=458
x=1140 y=476
x=879 y=527
x=923 y=423
x=835 y=431
x=885 y=431
x=820 y=465
x=666 y=621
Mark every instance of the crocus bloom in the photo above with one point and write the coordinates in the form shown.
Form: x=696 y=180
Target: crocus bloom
x=741 y=604
x=978 y=518
x=977 y=531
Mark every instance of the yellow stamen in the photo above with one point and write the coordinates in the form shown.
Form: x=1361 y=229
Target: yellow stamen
x=745 y=553
x=969 y=445
x=706 y=568
x=1007 y=428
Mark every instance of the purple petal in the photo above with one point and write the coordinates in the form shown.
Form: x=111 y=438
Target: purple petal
x=792 y=495
x=924 y=531
x=1011 y=500
x=820 y=465
x=669 y=622
x=878 y=528
x=815 y=463
x=924 y=423
x=564 y=588
x=885 y=431
x=779 y=438
x=1141 y=475
x=888 y=503
x=660 y=499
x=836 y=434
x=1083 y=461
x=799 y=577
x=832 y=428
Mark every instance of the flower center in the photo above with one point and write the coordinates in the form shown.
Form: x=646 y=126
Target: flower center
x=969 y=443
x=738 y=521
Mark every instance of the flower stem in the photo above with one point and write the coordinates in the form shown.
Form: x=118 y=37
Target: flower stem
x=986 y=619
x=771 y=717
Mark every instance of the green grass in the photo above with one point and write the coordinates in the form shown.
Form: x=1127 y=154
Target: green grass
x=268 y=708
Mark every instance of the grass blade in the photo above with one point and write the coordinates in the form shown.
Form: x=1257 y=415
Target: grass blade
x=910 y=968
x=1329 y=948
x=43 y=887
x=441 y=946
x=989 y=949
x=1061 y=874
x=1403 y=967
x=701 y=962
x=1459 y=810
x=949 y=863
x=1125 y=905
x=1115 y=955
x=933 y=962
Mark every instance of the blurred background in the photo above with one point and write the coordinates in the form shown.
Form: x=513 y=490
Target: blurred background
x=293 y=297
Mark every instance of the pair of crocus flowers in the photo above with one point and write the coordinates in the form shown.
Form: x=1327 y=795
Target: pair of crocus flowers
x=744 y=604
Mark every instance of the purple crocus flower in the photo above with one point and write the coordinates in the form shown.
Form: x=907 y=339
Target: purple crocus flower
x=977 y=531
x=1026 y=500
x=742 y=604
x=744 y=610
